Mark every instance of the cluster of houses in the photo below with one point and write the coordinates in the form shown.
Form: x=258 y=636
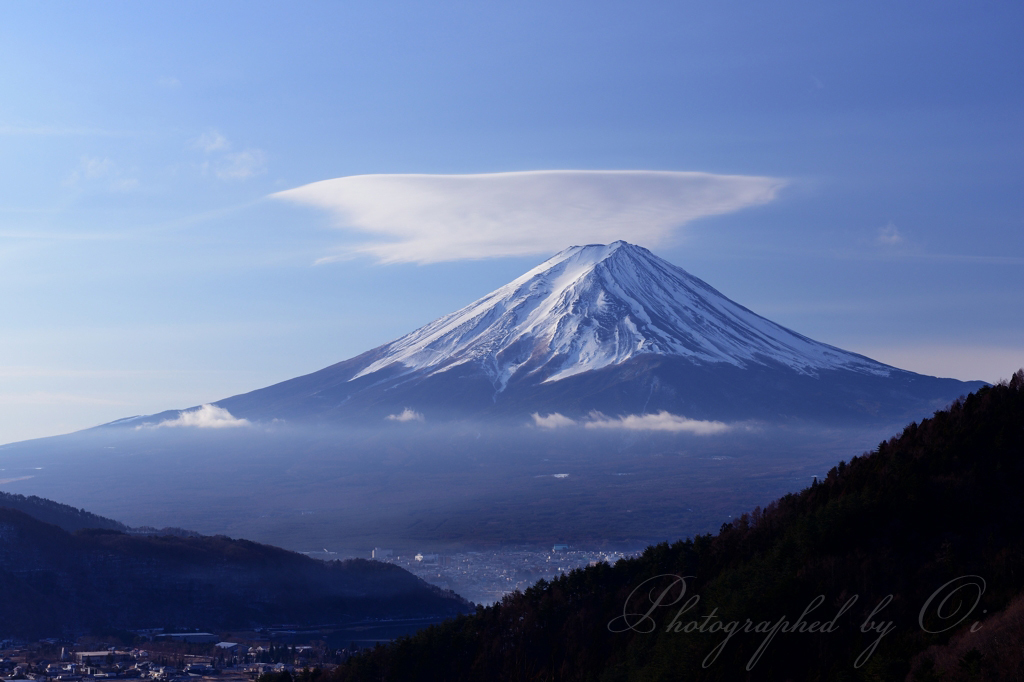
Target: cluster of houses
x=111 y=663
x=85 y=666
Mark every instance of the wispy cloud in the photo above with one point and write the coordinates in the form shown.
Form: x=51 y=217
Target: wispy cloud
x=241 y=165
x=969 y=258
x=54 y=398
x=226 y=164
x=205 y=417
x=22 y=371
x=406 y=415
x=102 y=172
x=91 y=168
x=662 y=421
x=211 y=141
x=552 y=421
x=435 y=218
x=890 y=236
x=60 y=131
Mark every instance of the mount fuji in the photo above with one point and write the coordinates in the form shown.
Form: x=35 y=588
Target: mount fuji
x=606 y=328
x=635 y=361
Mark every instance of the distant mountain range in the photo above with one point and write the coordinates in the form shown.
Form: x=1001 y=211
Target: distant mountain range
x=607 y=328
x=97 y=578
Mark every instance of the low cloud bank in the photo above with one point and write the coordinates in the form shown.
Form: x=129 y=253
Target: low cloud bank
x=437 y=218
x=205 y=417
x=552 y=421
x=406 y=415
x=662 y=421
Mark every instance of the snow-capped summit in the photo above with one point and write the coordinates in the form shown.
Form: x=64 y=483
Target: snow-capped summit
x=592 y=306
x=611 y=328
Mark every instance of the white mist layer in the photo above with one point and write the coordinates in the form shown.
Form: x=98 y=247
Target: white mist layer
x=406 y=415
x=205 y=417
x=660 y=421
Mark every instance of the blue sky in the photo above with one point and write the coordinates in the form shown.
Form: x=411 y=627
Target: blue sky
x=144 y=264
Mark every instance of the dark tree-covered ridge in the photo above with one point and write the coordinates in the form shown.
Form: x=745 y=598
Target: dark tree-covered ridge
x=941 y=501
x=63 y=515
x=58 y=583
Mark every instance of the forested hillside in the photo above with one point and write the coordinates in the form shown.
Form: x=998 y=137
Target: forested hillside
x=56 y=583
x=67 y=517
x=941 y=504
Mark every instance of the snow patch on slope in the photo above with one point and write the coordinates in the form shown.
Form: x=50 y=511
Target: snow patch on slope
x=594 y=306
